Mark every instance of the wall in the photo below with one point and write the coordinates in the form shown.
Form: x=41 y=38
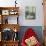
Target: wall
x=39 y=13
x=22 y=4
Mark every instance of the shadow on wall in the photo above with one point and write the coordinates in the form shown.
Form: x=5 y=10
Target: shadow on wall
x=37 y=29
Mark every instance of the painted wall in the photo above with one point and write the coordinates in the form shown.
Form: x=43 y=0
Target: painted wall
x=39 y=13
x=22 y=4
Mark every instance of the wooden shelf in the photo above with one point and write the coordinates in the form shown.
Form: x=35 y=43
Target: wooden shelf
x=5 y=8
x=10 y=26
x=9 y=43
x=4 y=25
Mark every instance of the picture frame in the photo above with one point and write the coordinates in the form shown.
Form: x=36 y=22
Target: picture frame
x=13 y=20
x=5 y=12
x=30 y=13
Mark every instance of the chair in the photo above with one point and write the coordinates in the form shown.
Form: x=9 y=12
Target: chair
x=28 y=34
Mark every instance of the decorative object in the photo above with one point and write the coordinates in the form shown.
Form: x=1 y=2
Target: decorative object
x=15 y=30
x=15 y=37
x=15 y=3
x=6 y=21
x=13 y=12
x=7 y=34
x=30 y=38
x=31 y=41
x=30 y=12
x=5 y=12
x=11 y=20
x=15 y=34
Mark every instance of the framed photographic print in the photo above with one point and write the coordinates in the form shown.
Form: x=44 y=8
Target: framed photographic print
x=30 y=12
x=13 y=20
x=5 y=12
